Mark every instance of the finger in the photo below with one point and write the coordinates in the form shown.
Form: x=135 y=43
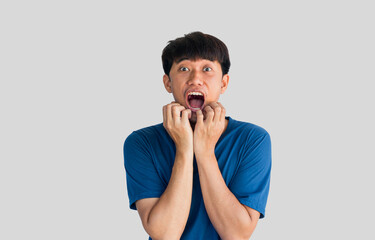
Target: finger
x=169 y=110
x=176 y=112
x=186 y=115
x=209 y=113
x=164 y=113
x=199 y=117
x=223 y=110
x=217 y=111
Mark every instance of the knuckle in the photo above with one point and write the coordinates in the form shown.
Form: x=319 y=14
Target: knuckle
x=175 y=108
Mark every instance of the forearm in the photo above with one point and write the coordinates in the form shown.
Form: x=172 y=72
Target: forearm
x=228 y=216
x=168 y=217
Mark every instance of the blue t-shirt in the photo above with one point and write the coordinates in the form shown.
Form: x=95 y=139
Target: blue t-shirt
x=243 y=153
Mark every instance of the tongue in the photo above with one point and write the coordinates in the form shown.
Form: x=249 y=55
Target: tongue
x=196 y=103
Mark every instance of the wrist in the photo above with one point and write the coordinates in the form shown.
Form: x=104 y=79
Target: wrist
x=185 y=152
x=185 y=145
x=204 y=153
x=203 y=148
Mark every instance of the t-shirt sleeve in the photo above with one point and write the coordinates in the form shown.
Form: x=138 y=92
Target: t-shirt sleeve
x=142 y=178
x=251 y=183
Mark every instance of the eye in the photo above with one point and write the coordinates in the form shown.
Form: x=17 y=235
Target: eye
x=207 y=69
x=184 y=69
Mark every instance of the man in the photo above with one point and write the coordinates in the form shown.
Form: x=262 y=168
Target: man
x=199 y=174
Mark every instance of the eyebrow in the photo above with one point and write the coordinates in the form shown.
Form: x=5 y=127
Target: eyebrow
x=186 y=58
x=182 y=59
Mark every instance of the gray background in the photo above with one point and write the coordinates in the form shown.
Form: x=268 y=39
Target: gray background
x=77 y=77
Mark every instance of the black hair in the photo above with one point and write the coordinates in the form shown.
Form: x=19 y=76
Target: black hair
x=193 y=46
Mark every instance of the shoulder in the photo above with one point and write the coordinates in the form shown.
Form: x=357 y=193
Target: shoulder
x=255 y=144
x=146 y=134
x=149 y=131
x=250 y=130
x=140 y=144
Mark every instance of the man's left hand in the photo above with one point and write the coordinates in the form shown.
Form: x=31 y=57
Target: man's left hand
x=208 y=128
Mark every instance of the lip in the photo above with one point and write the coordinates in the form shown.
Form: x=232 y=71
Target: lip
x=187 y=96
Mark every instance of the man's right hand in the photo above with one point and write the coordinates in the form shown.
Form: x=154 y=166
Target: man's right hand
x=176 y=123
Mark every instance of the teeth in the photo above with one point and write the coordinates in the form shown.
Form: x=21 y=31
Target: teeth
x=195 y=93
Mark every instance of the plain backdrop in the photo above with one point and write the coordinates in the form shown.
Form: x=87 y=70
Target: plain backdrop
x=77 y=77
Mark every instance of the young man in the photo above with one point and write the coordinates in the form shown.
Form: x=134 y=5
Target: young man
x=199 y=174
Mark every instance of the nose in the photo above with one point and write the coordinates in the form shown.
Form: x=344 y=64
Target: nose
x=195 y=78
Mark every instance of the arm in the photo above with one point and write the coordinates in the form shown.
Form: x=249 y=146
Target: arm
x=231 y=219
x=166 y=217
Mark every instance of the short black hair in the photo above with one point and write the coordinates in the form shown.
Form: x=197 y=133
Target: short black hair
x=193 y=46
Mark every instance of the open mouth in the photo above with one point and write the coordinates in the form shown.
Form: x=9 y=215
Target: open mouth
x=195 y=101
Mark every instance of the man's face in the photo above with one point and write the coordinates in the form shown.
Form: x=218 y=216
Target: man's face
x=196 y=84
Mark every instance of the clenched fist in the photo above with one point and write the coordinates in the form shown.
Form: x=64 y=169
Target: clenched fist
x=209 y=127
x=176 y=123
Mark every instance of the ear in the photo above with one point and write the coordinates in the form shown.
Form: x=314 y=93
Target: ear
x=224 y=83
x=167 y=83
